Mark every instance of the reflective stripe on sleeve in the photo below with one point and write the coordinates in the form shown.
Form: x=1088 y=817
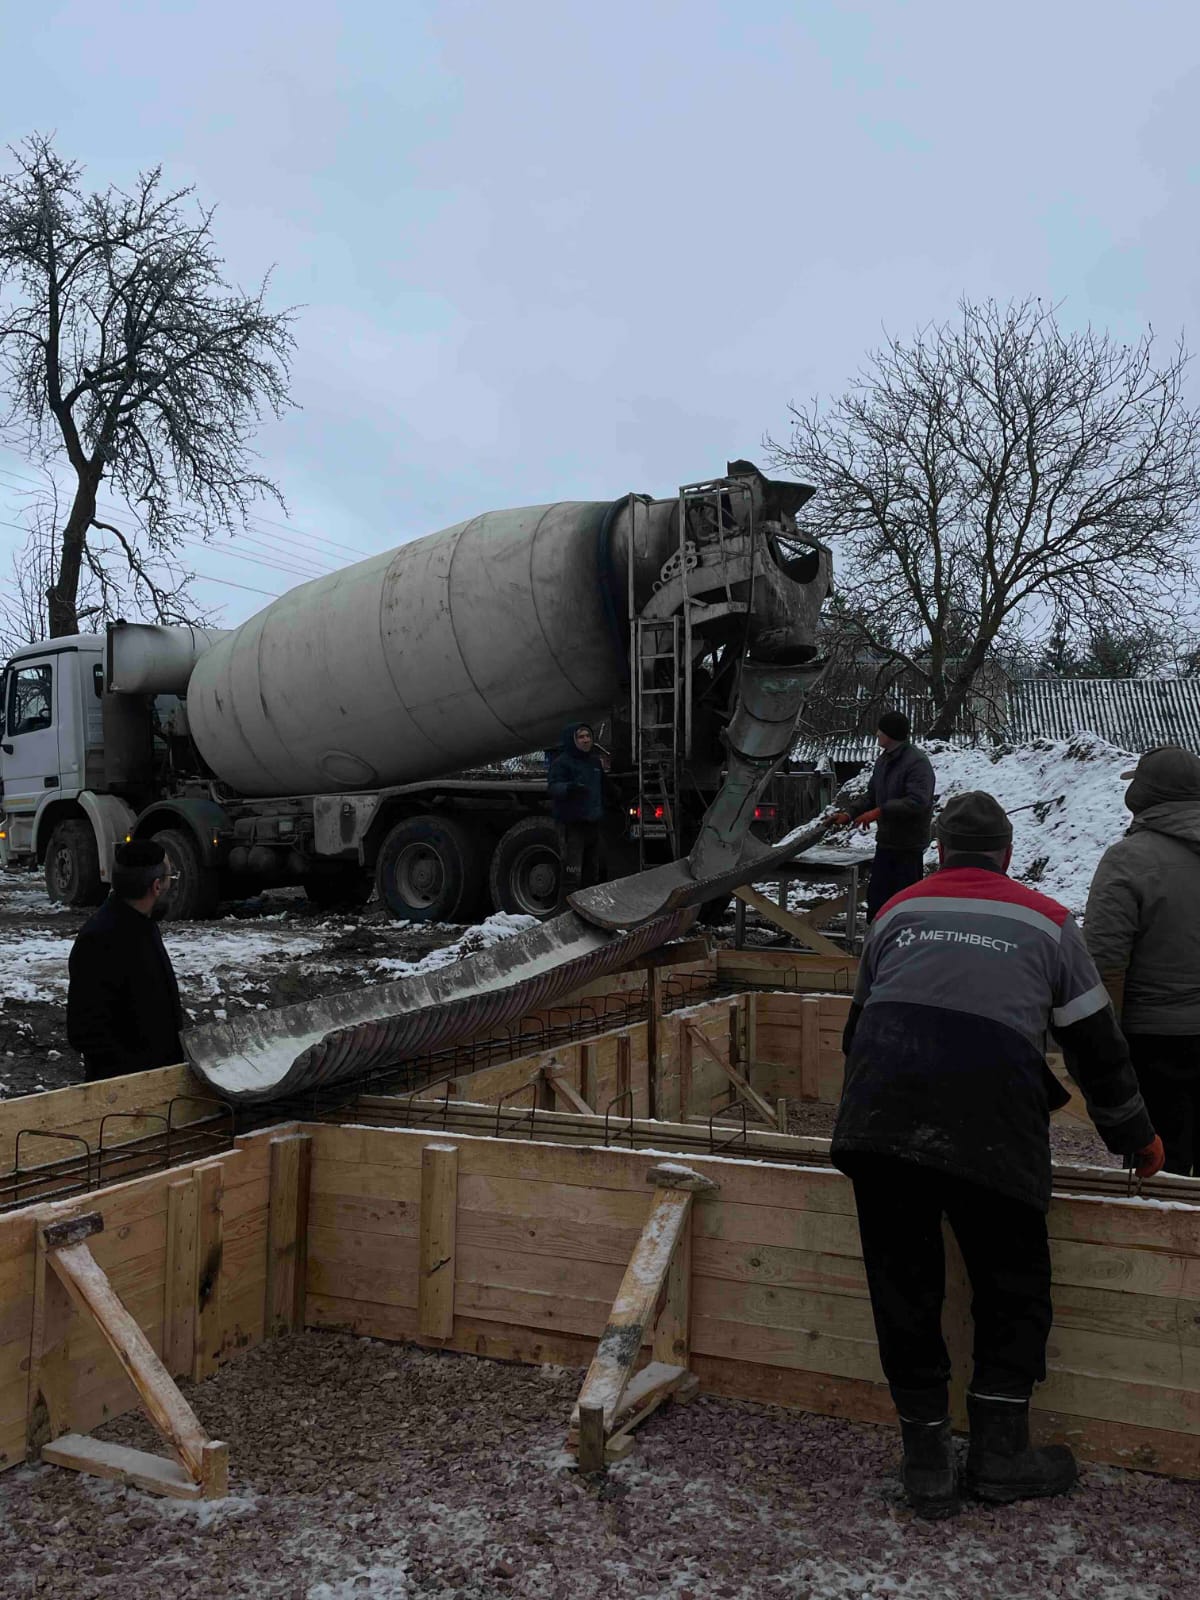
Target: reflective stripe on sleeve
x=1083 y=1005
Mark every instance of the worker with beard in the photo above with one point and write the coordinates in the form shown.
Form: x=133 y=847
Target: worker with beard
x=576 y=786
x=123 y=1010
x=1143 y=932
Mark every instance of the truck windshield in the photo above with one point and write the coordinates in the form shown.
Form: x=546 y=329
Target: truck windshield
x=29 y=701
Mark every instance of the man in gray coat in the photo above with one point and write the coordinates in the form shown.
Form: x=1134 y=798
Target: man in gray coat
x=1143 y=932
x=899 y=799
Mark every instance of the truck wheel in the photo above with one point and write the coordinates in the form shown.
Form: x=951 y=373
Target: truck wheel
x=429 y=870
x=527 y=868
x=73 y=865
x=194 y=895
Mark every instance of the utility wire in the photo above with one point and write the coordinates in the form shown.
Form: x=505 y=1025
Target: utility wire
x=254 y=518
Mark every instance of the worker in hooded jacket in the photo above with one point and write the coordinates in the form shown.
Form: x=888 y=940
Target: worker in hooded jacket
x=1142 y=929
x=945 y=1113
x=576 y=787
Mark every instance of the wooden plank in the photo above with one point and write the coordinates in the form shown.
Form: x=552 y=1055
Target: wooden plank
x=672 y=1329
x=741 y=1084
x=92 y=1293
x=179 y=1307
x=796 y=926
x=101 y=1459
x=287 y=1237
x=612 y=1365
x=79 y=1107
x=439 y=1204
x=209 y=1178
x=567 y=1096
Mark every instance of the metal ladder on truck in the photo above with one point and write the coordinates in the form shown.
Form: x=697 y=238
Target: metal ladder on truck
x=661 y=666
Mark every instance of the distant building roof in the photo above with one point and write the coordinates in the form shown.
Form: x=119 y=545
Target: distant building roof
x=1133 y=714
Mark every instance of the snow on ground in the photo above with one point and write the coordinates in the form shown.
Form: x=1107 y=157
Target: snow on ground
x=1073 y=796
x=498 y=927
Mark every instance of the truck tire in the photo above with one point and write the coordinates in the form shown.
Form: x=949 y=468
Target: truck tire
x=526 y=873
x=430 y=870
x=194 y=894
x=73 y=865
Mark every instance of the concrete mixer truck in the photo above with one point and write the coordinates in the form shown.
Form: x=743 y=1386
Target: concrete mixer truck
x=356 y=731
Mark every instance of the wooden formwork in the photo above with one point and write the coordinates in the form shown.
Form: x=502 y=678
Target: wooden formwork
x=508 y=1229
x=517 y=1248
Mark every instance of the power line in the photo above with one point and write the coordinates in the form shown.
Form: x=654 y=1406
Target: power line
x=253 y=518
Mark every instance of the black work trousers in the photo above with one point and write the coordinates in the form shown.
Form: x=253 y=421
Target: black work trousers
x=1168 y=1074
x=580 y=855
x=1007 y=1255
x=891 y=871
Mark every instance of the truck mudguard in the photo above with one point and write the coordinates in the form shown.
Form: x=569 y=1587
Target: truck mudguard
x=204 y=819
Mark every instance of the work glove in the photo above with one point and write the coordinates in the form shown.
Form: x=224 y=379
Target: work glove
x=868 y=817
x=839 y=819
x=1150 y=1160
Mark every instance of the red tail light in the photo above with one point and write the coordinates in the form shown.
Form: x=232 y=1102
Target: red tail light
x=765 y=813
x=657 y=815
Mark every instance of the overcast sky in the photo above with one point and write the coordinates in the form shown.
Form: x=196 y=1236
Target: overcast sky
x=568 y=249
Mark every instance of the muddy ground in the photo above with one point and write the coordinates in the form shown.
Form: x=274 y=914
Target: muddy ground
x=265 y=952
x=365 y=1469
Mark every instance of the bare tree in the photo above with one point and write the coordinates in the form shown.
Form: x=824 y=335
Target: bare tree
x=123 y=349
x=994 y=473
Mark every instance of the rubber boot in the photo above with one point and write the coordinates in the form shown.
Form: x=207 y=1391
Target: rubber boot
x=927 y=1472
x=1002 y=1465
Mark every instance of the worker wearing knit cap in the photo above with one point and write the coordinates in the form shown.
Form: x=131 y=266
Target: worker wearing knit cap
x=899 y=800
x=945 y=1114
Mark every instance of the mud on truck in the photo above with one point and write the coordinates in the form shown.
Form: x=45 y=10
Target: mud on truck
x=366 y=729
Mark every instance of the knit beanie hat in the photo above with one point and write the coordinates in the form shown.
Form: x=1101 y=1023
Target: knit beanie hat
x=1168 y=773
x=896 y=725
x=972 y=823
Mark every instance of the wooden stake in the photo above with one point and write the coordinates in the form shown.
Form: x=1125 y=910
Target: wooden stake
x=810 y=1049
x=287 y=1235
x=439 y=1205
x=209 y=1178
x=591 y=1438
x=179 y=1307
x=653 y=1039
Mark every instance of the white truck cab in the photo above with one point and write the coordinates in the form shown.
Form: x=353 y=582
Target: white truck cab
x=52 y=762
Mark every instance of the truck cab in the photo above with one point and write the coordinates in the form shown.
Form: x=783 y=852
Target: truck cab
x=52 y=762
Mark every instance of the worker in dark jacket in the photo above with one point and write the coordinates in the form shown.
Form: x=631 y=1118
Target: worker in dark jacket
x=899 y=799
x=576 y=785
x=123 y=1010
x=1143 y=931
x=945 y=1113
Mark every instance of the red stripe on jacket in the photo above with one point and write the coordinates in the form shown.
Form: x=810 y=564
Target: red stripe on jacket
x=977 y=883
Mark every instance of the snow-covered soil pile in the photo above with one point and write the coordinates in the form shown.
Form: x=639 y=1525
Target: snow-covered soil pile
x=1068 y=796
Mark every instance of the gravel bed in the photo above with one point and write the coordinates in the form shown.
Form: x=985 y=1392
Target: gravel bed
x=367 y=1469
